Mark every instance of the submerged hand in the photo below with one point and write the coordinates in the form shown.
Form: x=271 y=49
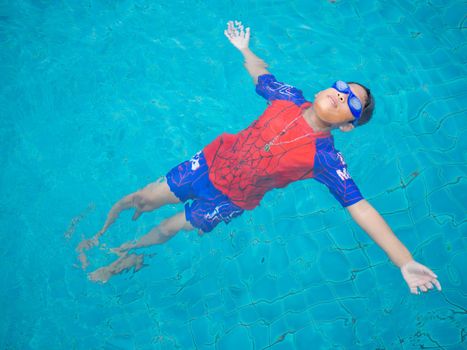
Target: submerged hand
x=419 y=277
x=236 y=35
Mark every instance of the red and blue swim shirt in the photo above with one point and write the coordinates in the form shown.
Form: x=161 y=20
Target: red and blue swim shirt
x=278 y=148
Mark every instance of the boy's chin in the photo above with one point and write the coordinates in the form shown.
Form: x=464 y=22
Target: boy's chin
x=328 y=118
x=329 y=115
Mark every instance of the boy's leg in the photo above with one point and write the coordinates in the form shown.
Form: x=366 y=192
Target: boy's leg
x=151 y=197
x=158 y=235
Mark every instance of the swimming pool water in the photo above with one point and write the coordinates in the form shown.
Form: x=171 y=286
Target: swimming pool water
x=99 y=98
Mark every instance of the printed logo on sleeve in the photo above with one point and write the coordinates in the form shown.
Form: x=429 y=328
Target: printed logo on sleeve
x=341 y=158
x=283 y=89
x=343 y=172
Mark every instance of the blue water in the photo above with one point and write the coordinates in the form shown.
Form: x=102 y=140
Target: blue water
x=98 y=98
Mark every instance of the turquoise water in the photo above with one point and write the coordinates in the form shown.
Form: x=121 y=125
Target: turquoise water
x=99 y=98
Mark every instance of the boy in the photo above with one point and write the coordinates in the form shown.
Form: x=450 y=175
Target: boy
x=289 y=142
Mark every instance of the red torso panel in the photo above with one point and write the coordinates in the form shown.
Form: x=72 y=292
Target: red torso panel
x=276 y=149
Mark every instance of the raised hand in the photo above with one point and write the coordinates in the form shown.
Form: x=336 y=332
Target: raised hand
x=239 y=37
x=419 y=277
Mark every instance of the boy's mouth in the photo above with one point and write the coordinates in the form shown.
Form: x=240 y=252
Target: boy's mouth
x=333 y=100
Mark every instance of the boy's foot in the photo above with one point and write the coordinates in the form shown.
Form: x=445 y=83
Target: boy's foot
x=123 y=263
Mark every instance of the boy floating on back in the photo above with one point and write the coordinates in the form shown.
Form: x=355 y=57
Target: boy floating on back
x=290 y=141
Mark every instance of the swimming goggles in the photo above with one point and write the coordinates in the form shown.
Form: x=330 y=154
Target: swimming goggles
x=353 y=101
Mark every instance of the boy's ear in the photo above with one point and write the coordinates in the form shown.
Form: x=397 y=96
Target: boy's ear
x=346 y=127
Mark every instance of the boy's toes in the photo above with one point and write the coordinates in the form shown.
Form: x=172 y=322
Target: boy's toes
x=100 y=275
x=136 y=215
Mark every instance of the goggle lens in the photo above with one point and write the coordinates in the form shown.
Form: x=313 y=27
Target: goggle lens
x=355 y=103
x=342 y=86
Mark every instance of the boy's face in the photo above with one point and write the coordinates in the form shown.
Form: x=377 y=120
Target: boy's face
x=331 y=105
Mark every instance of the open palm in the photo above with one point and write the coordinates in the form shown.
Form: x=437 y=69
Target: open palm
x=419 y=277
x=239 y=37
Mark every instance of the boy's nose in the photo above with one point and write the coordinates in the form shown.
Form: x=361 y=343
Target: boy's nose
x=341 y=97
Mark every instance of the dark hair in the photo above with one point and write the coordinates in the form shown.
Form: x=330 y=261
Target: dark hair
x=368 y=108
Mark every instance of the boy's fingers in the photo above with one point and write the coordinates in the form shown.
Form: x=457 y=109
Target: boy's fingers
x=429 y=285
x=228 y=36
x=236 y=29
x=437 y=284
x=417 y=282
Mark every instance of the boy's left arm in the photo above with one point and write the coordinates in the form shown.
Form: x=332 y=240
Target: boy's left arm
x=416 y=275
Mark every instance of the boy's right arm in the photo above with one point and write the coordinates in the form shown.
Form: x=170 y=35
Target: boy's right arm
x=418 y=277
x=240 y=38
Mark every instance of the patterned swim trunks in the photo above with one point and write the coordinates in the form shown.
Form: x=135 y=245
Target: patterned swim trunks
x=190 y=180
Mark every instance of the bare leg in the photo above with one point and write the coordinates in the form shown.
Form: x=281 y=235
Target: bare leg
x=158 y=235
x=151 y=197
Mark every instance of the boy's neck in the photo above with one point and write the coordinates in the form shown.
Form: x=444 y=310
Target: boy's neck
x=315 y=122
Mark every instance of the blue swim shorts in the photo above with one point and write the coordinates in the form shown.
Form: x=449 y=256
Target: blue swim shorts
x=190 y=180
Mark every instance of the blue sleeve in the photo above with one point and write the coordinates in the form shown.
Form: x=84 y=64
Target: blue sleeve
x=269 y=88
x=331 y=170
